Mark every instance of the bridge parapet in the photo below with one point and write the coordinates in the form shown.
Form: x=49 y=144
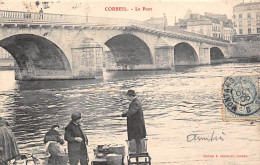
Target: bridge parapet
x=47 y=18
x=32 y=17
x=183 y=35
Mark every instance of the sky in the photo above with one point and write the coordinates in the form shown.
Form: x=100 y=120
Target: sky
x=173 y=9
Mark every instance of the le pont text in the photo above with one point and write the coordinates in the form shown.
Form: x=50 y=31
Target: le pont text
x=126 y=9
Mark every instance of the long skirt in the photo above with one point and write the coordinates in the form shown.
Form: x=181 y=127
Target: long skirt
x=8 y=144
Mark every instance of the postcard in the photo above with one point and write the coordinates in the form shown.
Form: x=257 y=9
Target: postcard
x=126 y=82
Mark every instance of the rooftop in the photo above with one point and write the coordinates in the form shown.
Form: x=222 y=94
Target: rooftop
x=247 y=4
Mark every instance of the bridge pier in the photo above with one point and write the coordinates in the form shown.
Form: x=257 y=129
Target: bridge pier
x=204 y=54
x=110 y=62
x=87 y=59
x=164 y=57
x=34 y=74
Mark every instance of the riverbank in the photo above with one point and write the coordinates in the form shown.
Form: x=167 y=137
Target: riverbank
x=236 y=60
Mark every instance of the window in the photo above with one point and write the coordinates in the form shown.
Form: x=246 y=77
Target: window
x=208 y=33
x=249 y=15
x=248 y=23
x=249 y=30
x=257 y=22
x=240 y=23
x=257 y=15
x=240 y=31
x=240 y=15
x=258 y=30
x=201 y=29
x=234 y=16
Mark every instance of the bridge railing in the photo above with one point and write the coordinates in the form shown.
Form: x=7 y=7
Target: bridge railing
x=33 y=17
x=187 y=33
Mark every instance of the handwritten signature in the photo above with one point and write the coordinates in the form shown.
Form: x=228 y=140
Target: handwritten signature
x=213 y=137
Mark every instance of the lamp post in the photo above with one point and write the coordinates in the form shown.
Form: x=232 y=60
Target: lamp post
x=86 y=8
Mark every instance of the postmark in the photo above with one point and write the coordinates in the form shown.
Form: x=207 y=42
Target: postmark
x=240 y=98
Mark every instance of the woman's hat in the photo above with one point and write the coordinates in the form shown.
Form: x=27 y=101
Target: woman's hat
x=75 y=116
x=130 y=92
x=55 y=125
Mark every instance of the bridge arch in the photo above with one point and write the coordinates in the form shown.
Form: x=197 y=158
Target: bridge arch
x=185 y=54
x=216 y=53
x=36 y=56
x=129 y=50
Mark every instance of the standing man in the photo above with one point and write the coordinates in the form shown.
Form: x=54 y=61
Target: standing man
x=77 y=141
x=41 y=14
x=135 y=120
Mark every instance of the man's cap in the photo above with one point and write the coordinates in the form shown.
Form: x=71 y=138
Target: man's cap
x=130 y=92
x=75 y=116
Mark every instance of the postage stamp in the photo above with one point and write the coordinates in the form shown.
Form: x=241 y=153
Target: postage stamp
x=240 y=98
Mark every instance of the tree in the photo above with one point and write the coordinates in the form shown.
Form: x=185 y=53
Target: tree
x=37 y=3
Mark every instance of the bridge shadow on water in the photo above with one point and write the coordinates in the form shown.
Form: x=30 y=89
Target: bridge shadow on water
x=126 y=74
x=111 y=76
x=54 y=84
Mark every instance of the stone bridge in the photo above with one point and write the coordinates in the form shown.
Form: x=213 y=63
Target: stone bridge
x=53 y=46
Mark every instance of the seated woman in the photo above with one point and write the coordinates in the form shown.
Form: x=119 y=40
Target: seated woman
x=8 y=147
x=53 y=135
x=53 y=143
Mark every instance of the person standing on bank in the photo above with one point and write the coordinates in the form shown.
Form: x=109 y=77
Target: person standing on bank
x=8 y=147
x=77 y=141
x=135 y=120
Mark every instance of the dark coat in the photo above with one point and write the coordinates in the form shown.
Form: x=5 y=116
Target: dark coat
x=8 y=144
x=135 y=120
x=71 y=131
x=53 y=135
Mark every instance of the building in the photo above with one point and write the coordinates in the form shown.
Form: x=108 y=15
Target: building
x=246 y=17
x=213 y=25
x=228 y=31
x=4 y=55
x=160 y=22
x=6 y=60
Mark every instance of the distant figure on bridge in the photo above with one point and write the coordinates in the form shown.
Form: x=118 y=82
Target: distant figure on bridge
x=8 y=147
x=135 y=120
x=41 y=14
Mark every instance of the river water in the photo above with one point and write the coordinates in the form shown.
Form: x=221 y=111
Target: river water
x=176 y=103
